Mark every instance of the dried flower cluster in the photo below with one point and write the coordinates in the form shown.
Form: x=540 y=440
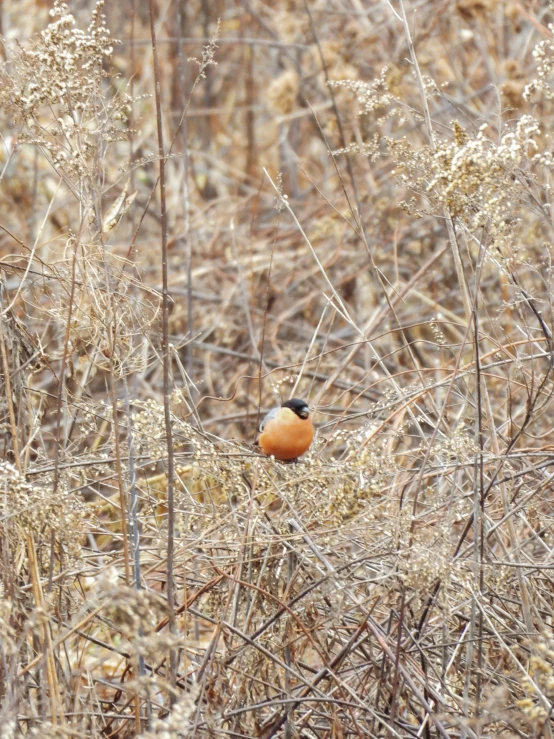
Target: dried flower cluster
x=53 y=90
x=475 y=180
x=28 y=509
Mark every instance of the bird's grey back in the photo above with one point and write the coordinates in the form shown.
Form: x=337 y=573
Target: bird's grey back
x=272 y=413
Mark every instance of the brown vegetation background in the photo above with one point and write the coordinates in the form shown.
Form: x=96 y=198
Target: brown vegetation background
x=207 y=207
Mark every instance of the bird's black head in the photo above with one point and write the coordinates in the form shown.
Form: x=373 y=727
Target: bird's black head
x=300 y=407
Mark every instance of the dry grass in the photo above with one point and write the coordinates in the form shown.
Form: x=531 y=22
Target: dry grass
x=349 y=202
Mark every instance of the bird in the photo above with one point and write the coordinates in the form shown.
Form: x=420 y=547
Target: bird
x=287 y=431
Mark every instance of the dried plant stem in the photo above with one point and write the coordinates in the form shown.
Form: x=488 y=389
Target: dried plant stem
x=187 y=236
x=56 y=712
x=120 y=482
x=165 y=358
x=262 y=339
x=135 y=541
x=9 y=397
x=464 y=290
x=60 y=640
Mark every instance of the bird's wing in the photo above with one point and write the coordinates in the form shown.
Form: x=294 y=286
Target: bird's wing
x=269 y=416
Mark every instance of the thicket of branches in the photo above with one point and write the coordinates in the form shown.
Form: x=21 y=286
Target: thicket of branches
x=209 y=207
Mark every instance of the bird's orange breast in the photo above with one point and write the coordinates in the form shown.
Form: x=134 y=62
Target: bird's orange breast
x=286 y=436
